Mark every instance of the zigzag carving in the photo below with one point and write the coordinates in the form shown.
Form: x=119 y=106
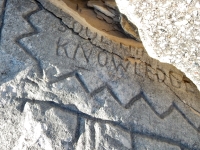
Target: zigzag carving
x=80 y=115
x=131 y=102
x=31 y=33
x=107 y=87
x=2 y=15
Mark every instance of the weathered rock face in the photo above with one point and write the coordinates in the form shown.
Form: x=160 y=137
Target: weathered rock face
x=169 y=31
x=66 y=86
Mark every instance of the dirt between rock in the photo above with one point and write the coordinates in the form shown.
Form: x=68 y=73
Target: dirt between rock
x=79 y=10
x=89 y=15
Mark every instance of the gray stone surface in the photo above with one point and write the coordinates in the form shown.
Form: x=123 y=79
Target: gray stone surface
x=66 y=87
x=169 y=31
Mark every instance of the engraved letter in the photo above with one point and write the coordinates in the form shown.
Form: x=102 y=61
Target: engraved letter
x=102 y=58
x=60 y=50
x=175 y=79
x=118 y=63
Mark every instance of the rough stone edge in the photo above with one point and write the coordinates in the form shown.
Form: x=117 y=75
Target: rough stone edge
x=137 y=21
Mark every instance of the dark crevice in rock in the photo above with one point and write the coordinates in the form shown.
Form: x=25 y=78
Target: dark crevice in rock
x=105 y=16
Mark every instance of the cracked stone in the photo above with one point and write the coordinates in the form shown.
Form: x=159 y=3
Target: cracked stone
x=65 y=85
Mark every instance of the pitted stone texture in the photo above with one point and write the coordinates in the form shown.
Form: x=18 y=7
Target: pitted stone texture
x=10 y=66
x=169 y=31
x=152 y=144
x=85 y=97
x=2 y=15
